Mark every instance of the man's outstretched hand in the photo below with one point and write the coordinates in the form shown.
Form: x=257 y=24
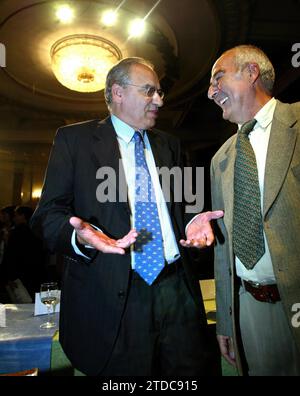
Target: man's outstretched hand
x=87 y=235
x=199 y=232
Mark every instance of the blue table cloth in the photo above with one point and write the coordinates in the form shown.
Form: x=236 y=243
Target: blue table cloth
x=23 y=344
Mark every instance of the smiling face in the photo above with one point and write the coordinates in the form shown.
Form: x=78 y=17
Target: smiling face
x=232 y=89
x=131 y=103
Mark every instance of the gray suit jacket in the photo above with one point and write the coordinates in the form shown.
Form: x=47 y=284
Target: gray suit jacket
x=281 y=217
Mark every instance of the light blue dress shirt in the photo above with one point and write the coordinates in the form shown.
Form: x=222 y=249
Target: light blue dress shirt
x=126 y=145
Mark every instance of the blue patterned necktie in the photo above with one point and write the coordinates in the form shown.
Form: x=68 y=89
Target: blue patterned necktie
x=149 y=254
x=248 y=239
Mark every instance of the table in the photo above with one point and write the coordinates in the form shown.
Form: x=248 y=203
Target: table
x=23 y=344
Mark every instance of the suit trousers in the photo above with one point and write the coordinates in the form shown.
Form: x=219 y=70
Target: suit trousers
x=162 y=331
x=270 y=349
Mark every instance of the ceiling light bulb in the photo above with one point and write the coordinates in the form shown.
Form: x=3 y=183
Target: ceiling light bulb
x=109 y=18
x=137 y=27
x=65 y=14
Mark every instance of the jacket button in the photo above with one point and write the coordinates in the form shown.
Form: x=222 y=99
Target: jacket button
x=121 y=294
x=230 y=311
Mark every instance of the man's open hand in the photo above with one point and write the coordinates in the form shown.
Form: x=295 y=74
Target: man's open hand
x=199 y=232
x=87 y=235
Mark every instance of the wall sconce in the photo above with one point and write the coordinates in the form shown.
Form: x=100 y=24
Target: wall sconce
x=36 y=194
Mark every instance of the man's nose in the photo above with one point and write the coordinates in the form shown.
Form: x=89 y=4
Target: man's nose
x=212 y=91
x=156 y=99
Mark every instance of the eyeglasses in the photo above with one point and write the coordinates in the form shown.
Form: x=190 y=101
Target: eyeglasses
x=150 y=90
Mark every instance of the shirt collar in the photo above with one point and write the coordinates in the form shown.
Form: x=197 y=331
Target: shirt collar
x=123 y=130
x=265 y=115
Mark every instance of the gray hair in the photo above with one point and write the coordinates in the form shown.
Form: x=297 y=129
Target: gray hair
x=245 y=54
x=120 y=74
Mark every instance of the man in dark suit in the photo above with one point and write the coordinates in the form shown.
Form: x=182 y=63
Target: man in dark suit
x=257 y=305
x=112 y=321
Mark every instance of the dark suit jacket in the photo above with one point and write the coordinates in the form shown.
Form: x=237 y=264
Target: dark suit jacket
x=94 y=291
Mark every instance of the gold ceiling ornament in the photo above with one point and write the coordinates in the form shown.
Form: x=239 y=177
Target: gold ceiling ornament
x=80 y=62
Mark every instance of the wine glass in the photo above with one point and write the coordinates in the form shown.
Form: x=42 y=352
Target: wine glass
x=49 y=297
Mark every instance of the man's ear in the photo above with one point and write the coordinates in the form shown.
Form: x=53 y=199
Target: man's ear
x=117 y=93
x=254 y=71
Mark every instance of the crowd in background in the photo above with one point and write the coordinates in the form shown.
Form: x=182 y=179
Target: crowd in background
x=24 y=263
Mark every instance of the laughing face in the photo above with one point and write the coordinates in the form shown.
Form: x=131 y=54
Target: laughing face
x=231 y=89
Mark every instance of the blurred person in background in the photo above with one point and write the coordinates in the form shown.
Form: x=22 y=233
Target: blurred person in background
x=24 y=256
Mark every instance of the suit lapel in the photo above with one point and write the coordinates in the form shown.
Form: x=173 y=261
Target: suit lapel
x=105 y=150
x=106 y=154
x=162 y=157
x=159 y=152
x=226 y=165
x=280 y=150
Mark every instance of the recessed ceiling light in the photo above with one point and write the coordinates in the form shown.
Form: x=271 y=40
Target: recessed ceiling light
x=65 y=14
x=109 y=18
x=137 y=27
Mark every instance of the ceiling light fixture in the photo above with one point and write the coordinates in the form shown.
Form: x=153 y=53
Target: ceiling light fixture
x=138 y=26
x=80 y=62
x=109 y=17
x=65 y=14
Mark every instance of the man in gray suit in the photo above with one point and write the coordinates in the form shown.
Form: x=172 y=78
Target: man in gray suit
x=257 y=326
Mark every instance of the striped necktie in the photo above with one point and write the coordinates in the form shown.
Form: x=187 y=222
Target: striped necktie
x=248 y=240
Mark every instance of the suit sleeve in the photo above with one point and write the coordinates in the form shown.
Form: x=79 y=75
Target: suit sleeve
x=221 y=260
